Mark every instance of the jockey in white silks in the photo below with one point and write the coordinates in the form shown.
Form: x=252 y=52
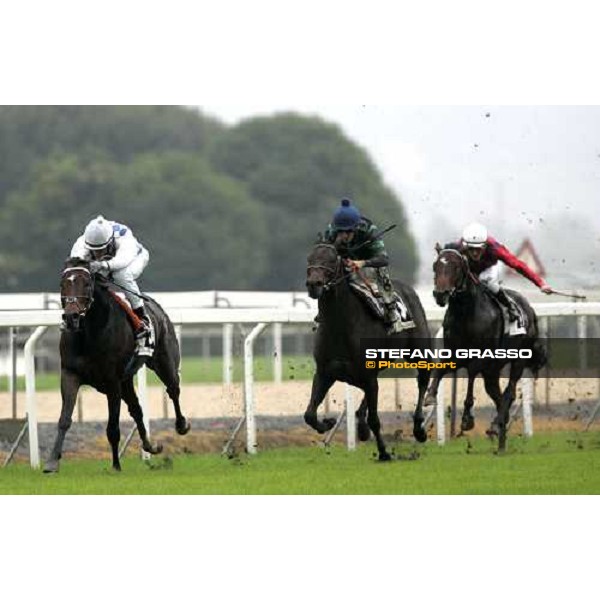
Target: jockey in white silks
x=113 y=251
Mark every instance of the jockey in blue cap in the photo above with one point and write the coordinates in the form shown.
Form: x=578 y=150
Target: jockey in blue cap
x=357 y=240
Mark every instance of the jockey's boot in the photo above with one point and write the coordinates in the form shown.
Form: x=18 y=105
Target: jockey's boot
x=513 y=312
x=143 y=346
x=391 y=317
x=395 y=314
x=142 y=335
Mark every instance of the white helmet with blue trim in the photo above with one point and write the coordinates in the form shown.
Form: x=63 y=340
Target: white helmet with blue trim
x=98 y=234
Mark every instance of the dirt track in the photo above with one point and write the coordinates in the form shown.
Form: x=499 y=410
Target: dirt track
x=289 y=398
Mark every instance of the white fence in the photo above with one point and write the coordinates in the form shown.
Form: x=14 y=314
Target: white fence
x=260 y=317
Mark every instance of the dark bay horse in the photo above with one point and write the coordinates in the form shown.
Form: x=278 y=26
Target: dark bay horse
x=475 y=320
x=95 y=347
x=345 y=320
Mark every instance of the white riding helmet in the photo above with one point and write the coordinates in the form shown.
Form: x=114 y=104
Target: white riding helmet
x=98 y=234
x=475 y=235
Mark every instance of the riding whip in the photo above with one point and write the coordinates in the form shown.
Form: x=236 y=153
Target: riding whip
x=568 y=295
x=375 y=238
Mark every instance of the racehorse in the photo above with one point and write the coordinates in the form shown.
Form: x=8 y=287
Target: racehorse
x=96 y=345
x=475 y=320
x=345 y=319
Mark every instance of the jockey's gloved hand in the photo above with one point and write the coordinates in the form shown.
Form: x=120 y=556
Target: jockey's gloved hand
x=547 y=289
x=100 y=265
x=355 y=265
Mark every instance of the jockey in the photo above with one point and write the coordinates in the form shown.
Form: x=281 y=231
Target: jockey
x=483 y=253
x=112 y=250
x=356 y=240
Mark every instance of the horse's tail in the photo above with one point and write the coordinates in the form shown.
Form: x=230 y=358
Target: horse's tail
x=540 y=356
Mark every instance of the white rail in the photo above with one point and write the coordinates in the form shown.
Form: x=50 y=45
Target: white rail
x=260 y=316
x=200 y=316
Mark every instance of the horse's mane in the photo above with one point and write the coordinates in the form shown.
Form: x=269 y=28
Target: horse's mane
x=75 y=261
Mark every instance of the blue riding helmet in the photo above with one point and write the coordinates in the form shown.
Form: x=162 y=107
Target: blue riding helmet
x=346 y=217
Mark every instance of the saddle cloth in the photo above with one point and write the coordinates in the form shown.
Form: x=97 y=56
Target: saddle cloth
x=133 y=318
x=367 y=290
x=514 y=328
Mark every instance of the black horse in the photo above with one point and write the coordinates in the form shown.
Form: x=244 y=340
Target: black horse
x=474 y=320
x=345 y=320
x=96 y=346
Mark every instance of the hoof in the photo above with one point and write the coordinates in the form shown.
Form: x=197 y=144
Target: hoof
x=182 y=427
x=467 y=423
x=363 y=432
x=384 y=457
x=419 y=433
x=492 y=431
x=328 y=424
x=117 y=467
x=150 y=449
x=51 y=466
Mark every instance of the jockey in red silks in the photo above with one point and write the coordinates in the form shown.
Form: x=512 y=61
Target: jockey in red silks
x=483 y=253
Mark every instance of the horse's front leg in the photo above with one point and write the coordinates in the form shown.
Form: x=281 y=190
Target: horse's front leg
x=419 y=432
x=468 y=421
x=498 y=426
x=69 y=386
x=113 y=433
x=320 y=387
x=371 y=388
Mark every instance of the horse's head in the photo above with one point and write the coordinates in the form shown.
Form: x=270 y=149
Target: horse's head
x=76 y=292
x=323 y=264
x=450 y=271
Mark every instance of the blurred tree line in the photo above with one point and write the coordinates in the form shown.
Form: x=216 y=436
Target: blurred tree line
x=218 y=207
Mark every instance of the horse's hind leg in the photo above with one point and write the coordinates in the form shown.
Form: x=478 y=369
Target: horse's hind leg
x=419 y=432
x=320 y=387
x=166 y=366
x=371 y=394
x=69 y=386
x=135 y=410
x=510 y=393
x=362 y=428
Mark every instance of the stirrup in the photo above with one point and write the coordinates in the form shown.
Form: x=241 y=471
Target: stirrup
x=142 y=333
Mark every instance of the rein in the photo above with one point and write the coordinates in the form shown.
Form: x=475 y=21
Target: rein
x=335 y=282
x=140 y=295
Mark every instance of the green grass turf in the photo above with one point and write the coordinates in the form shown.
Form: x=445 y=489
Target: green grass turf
x=199 y=370
x=558 y=463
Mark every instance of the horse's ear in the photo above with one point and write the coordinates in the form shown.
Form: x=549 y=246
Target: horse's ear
x=438 y=247
x=320 y=237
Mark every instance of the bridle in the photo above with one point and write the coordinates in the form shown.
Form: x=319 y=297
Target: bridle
x=333 y=270
x=89 y=300
x=466 y=270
